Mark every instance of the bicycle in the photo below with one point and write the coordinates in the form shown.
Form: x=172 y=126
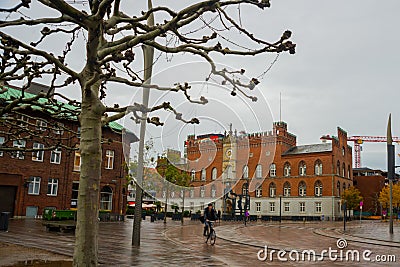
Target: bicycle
x=210 y=235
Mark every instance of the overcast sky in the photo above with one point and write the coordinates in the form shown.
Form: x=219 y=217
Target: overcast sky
x=345 y=73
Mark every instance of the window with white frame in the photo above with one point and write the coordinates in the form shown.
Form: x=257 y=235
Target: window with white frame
x=34 y=186
x=109 y=159
x=201 y=205
x=344 y=170
x=318 y=207
x=258 y=206
x=2 y=140
x=272 y=190
x=38 y=155
x=338 y=168
x=302 y=168
x=286 y=189
x=193 y=175
x=286 y=206
x=229 y=173
x=286 y=170
x=213 y=191
x=259 y=171
x=302 y=207
x=348 y=172
x=106 y=198
x=272 y=206
x=245 y=189
x=164 y=193
x=338 y=188
x=22 y=120
x=258 y=190
x=52 y=187
x=214 y=173
x=191 y=193
x=55 y=156
x=302 y=189
x=203 y=174
x=318 y=167
x=202 y=191
x=59 y=128
x=172 y=194
x=19 y=144
x=318 y=188
x=245 y=172
x=191 y=205
x=272 y=170
x=77 y=161
x=41 y=125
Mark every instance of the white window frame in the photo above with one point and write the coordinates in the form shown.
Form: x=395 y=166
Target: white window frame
x=302 y=189
x=193 y=175
x=302 y=169
x=258 y=207
x=318 y=207
x=272 y=206
x=110 y=159
x=229 y=173
x=19 y=144
x=2 y=141
x=76 y=157
x=41 y=125
x=286 y=189
x=38 y=155
x=245 y=172
x=318 y=168
x=259 y=191
x=318 y=189
x=203 y=174
x=259 y=171
x=302 y=207
x=272 y=170
x=286 y=206
x=55 y=156
x=213 y=191
x=52 y=187
x=272 y=190
x=287 y=170
x=34 y=185
x=59 y=128
x=202 y=191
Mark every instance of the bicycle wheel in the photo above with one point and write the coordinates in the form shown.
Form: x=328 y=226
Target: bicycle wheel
x=206 y=236
x=213 y=237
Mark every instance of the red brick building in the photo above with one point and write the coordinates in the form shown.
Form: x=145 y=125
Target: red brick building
x=282 y=179
x=32 y=181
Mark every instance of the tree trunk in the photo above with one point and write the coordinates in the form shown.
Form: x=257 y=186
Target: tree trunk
x=86 y=244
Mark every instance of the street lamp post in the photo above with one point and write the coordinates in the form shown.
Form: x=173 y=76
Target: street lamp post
x=391 y=167
x=280 y=208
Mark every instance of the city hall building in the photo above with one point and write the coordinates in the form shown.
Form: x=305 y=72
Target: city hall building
x=269 y=174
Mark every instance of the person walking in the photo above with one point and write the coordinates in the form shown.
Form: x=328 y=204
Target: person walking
x=246 y=217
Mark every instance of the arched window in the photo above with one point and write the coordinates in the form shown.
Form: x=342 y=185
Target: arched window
x=344 y=187
x=193 y=175
x=213 y=191
x=302 y=168
x=272 y=190
x=106 y=198
x=214 y=173
x=286 y=189
x=203 y=174
x=348 y=172
x=338 y=189
x=272 y=170
x=245 y=172
x=286 y=169
x=172 y=194
x=318 y=188
x=318 y=167
x=302 y=189
x=202 y=191
x=344 y=170
x=228 y=171
x=338 y=168
x=259 y=171
x=258 y=190
x=245 y=189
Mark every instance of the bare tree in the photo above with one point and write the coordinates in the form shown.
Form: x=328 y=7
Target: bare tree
x=112 y=38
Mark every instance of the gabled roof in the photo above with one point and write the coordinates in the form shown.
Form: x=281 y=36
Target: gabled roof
x=67 y=110
x=316 y=148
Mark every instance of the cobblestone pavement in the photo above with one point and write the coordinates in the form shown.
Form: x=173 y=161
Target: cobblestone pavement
x=173 y=244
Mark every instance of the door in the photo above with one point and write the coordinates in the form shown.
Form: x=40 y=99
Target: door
x=7 y=198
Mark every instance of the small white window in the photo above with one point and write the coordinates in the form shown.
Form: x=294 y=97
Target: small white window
x=41 y=125
x=19 y=144
x=2 y=140
x=272 y=170
x=302 y=207
x=109 y=159
x=203 y=174
x=272 y=206
x=38 y=155
x=193 y=175
x=214 y=174
x=318 y=207
x=77 y=161
x=52 y=187
x=55 y=156
x=245 y=172
x=202 y=191
x=259 y=171
x=286 y=206
x=59 y=128
x=258 y=206
x=34 y=186
x=287 y=170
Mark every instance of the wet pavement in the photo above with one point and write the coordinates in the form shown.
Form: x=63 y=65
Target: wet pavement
x=172 y=244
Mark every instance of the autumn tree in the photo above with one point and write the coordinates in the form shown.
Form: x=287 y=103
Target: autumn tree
x=384 y=196
x=90 y=45
x=353 y=197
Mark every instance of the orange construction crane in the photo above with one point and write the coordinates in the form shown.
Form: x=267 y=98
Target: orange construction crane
x=358 y=141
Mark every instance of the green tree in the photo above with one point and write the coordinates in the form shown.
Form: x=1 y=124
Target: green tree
x=384 y=196
x=353 y=197
x=108 y=34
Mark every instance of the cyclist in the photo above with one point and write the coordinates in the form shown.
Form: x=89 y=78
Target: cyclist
x=209 y=215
